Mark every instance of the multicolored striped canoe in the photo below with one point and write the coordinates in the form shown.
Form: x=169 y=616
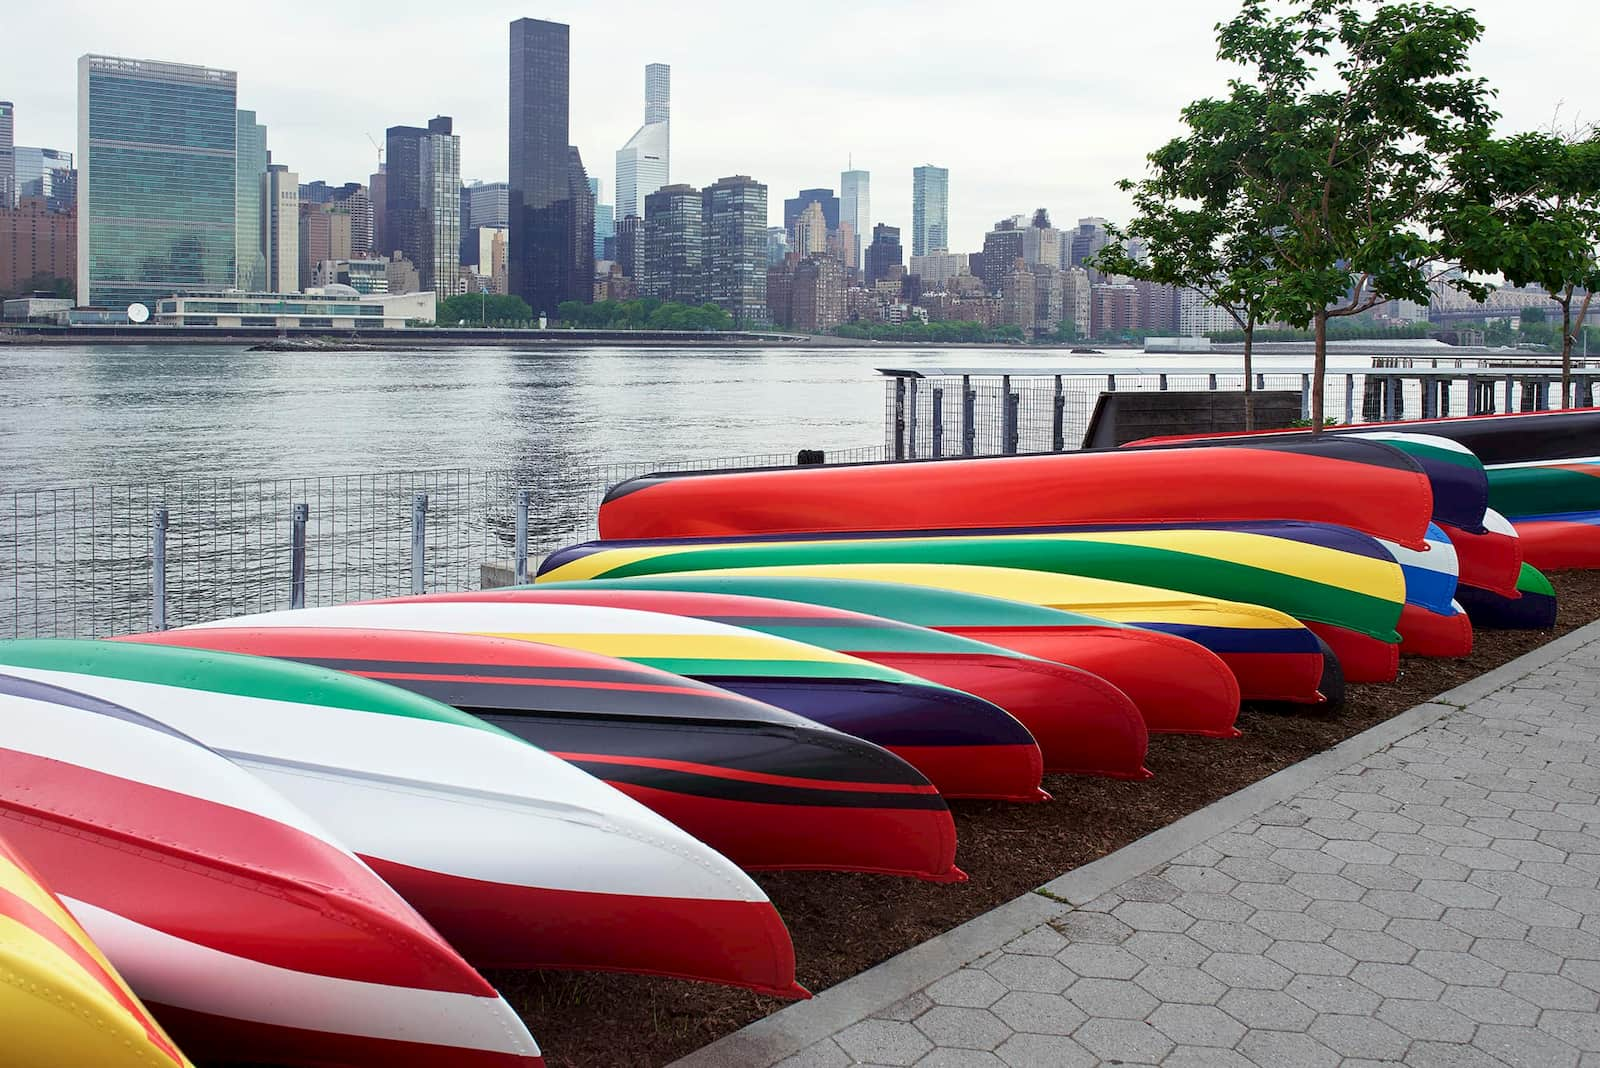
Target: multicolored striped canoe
x=1364 y=485
x=1533 y=608
x=492 y=840
x=1518 y=436
x=1324 y=574
x=1491 y=560
x=62 y=1004
x=762 y=786
x=1542 y=487
x=1062 y=707
x=1561 y=541
x=246 y=927
x=1167 y=677
x=964 y=745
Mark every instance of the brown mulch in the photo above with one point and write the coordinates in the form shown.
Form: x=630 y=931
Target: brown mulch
x=844 y=924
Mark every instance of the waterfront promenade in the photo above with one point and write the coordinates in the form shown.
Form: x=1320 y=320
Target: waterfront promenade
x=1426 y=893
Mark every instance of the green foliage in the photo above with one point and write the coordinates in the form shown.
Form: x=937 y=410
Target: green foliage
x=646 y=314
x=1356 y=331
x=938 y=332
x=483 y=309
x=50 y=285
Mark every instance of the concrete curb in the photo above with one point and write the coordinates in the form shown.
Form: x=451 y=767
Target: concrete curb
x=787 y=1032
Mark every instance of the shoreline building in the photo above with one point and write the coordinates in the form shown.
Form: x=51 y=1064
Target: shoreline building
x=644 y=164
x=46 y=173
x=736 y=248
x=855 y=208
x=280 y=227
x=930 y=209
x=884 y=253
x=544 y=204
x=674 y=245
x=251 y=264
x=8 y=160
x=158 y=180
x=423 y=191
x=36 y=241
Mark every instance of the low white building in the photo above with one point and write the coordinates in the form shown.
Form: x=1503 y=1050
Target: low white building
x=330 y=307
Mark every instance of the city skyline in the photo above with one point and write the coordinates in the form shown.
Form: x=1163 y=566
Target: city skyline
x=1052 y=125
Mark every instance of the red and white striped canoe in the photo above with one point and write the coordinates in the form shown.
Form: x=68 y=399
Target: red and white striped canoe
x=249 y=931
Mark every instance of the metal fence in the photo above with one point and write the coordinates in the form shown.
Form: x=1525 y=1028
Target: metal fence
x=979 y=412
x=102 y=560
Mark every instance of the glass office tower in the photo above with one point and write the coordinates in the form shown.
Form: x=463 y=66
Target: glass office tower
x=930 y=210
x=252 y=164
x=543 y=209
x=157 y=180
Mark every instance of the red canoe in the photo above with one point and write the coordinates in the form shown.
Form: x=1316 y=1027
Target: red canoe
x=767 y=789
x=1363 y=485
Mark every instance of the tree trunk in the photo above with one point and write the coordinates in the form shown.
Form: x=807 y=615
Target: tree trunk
x=1319 y=371
x=1249 y=376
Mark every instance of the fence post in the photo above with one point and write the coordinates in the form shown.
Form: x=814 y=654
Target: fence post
x=1349 y=399
x=1509 y=409
x=419 y=540
x=1211 y=383
x=1013 y=432
x=519 y=570
x=158 y=569
x=911 y=421
x=1305 y=396
x=969 y=415
x=1161 y=382
x=1058 y=419
x=297 y=556
x=899 y=418
x=938 y=423
x=1261 y=383
x=1429 y=398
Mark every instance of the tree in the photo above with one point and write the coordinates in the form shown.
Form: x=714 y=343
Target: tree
x=1347 y=133
x=481 y=309
x=1535 y=218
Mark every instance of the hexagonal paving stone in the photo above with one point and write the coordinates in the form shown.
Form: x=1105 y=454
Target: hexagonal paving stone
x=1213 y=906
x=1515 y=955
x=1429 y=934
x=1372 y=946
x=1035 y=1013
x=1205 y=1057
x=1147 y=888
x=1124 y=1040
x=1427 y=1020
x=1277 y=1049
x=1488 y=1006
x=1152 y=916
x=1254 y=870
x=967 y=988
x=1524 y=1047
x=1310 y=958
x=1397 y=981
x=1580 y=1030
x=1350 y=914
x=884 y=1042
x=1247 y=970
x=1044 y=1051
x=1112 y=998
x=825 y=1054
x=1017 y=972
x=1332 y=993
x=1266 y=1010
x=1423 y=1054
x=907 y=1008
x=1180 y=985
x=1226 y=936
x=1458 y=969
x=1198 y=880
x=1485 y=923
x=1380 y=877
x=1042 y=941
x=1358 y=1036
x=1551 y=991
x=1100 y=962
x=959 y=1028
x=1091 y=927
x=1164 y=947
x=1197 y=1025
x=1306 y=861
x=1289 y=926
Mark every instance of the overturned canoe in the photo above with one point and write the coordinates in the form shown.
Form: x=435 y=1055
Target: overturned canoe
x=63 y=1005
x=1364 y=485
x=762 y=786
x=498 y=844
x=1437 y=634
x=1168 y=678
x=1062 y=707
x=1328 y=575
x=250 y=931
x=1540 y=487
x=1491 y=559
x=1533 y=607
x=1562 y=541
x=1515 y=437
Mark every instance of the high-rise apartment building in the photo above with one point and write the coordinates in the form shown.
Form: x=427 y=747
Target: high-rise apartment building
x=357 y=199
x=250 y=166
x=157 y=180
x=930 y=210
x=1090 y=237
x=825 y=201
x=423 y=210
x=45 y=173
x=674 y=245
x=1114 y=311
x=1041 y=242
x=883 y=253
x=378 y=192
x=543 y=208
x=630 y=245
x=735 y=211
x=644 y=164
x=605 y=223
x=36 y=244
x=808 y=233
x=1076 y=299
x=8 y=134
x=1002 y=248
x=817 y=301
x=490 y=203
x=855 y=207
x=280 y=228
x=1198 y=317
x=936 y=269
x=582 y=248
x=324 y=235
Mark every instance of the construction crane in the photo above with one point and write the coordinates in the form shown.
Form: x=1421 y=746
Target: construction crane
x=379 y=147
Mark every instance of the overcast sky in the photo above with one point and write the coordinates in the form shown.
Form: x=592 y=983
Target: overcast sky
x=1029 y=104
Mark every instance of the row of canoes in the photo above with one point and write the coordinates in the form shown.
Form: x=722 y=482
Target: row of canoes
x=297 y=836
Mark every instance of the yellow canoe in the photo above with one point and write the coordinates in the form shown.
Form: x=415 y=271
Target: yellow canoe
x=62 y=1004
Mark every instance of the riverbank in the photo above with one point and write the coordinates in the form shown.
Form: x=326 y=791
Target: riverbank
x=844 y=924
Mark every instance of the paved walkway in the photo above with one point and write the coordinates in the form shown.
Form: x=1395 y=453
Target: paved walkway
x=1425 y=894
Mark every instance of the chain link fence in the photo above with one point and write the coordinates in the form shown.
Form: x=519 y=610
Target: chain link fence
x=102 y=560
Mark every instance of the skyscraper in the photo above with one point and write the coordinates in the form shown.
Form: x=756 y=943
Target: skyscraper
x=855 y=205
x=930 y=210
x=543 y=216
x=630 y=246
x=8 y=162
x=674 y=245
x=1002 y=248
x=157 y=188
x=423 y=213
x=883 y=253
x=280 y=227
x=823 y=198
x=644 y=164
x=1090 y=237
x=47 y=173
x=605 y=224
x=808 y=236
x=582 y=226
x=736 y=247
x=251 y=165
x=378 y=190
